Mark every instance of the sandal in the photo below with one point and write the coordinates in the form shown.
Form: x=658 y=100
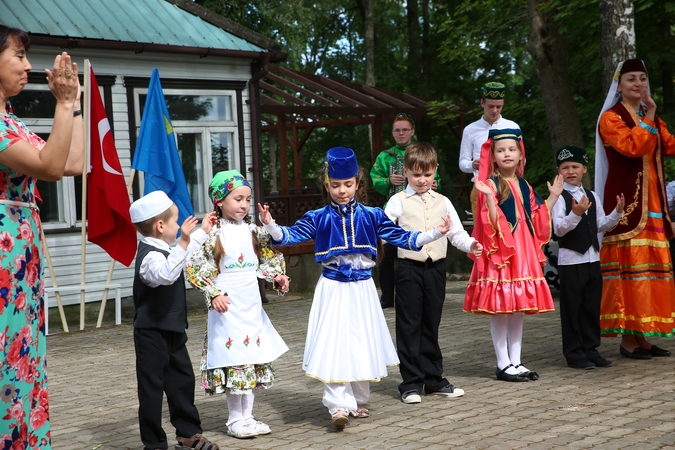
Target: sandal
x=340 y=418
x=241 y=430
x=360 y=413
x=196 y=442
x=259 y=427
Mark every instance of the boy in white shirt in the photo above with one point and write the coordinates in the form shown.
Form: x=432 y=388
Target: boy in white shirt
x=577 y=220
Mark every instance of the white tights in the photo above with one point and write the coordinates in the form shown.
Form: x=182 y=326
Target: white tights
x=240 y=407
x=507 y=338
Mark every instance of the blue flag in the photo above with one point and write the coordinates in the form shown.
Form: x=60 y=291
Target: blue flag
x=156 y=153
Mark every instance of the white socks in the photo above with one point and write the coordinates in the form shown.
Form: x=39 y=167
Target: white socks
x=507 y=338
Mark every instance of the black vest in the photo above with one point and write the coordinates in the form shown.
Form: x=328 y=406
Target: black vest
x=585 y=233
x=162 y=307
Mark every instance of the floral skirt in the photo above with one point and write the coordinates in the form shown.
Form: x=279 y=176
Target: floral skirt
x=238 y=379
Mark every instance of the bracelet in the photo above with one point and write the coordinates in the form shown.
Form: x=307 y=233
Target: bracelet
x=77 y=113
x=649 y=128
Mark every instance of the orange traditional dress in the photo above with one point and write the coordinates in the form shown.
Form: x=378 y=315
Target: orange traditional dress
x=638 y=291
x=508 y=277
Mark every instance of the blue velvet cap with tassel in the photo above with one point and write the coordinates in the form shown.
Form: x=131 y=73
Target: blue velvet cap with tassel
x=340 y=164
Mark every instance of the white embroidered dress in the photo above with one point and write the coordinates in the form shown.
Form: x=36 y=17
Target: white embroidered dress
x=244 y=334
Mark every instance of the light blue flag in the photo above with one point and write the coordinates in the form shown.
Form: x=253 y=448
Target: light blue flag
x=156 y=153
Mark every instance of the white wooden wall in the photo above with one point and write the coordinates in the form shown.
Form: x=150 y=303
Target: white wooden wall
x=65 y=248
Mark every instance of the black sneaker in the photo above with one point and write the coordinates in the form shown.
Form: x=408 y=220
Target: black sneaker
x=449 y=391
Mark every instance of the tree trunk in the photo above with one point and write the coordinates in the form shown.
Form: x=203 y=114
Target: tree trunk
x=547 y=47
x=414 y=44
x=369 y=42
x=426 y=49
x=617 y=36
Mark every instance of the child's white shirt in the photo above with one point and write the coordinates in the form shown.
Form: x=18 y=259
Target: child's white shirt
x=159 y=270
x=564 y=223
x=457 y=235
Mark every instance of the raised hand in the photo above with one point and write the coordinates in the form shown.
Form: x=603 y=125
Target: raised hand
x=264 y=211
x=63 y=80
x=188 y=225
x=620 y=203
x=582 y=206
x=209 y=221
x=557 y=187
x=445 y=226
x=482 y=187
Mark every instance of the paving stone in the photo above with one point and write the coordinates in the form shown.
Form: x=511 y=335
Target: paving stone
x=93 y=403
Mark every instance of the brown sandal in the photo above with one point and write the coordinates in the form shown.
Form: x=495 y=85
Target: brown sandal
x=196 y=442
x=340 y=418
x=360 y=413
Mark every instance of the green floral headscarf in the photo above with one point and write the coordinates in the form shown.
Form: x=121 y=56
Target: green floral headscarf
x=225 y=182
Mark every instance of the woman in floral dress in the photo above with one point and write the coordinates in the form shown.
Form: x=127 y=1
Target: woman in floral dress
x=24 y=157
x=240 y=342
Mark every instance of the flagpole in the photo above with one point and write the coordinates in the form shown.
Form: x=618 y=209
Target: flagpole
x=64 y=321
x=112 y=263
x=85 y=171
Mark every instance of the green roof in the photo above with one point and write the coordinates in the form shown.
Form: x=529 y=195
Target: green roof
x=139 y=21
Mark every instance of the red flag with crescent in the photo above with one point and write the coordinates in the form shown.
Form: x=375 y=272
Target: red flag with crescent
x=109 y=223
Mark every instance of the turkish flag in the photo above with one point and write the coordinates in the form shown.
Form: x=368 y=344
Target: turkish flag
x=109 y=223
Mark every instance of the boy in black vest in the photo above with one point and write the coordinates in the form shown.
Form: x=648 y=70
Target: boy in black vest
x=577 y=222
x=162 y=361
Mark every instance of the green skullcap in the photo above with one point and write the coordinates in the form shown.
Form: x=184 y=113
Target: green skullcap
x=225 y=182
x=571 y=153
x=493 y=91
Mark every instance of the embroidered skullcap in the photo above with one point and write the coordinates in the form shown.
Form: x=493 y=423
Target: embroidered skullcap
x=225 y=182
x=493 y=91
x=405 y=116
x=340 y=164
x=149 y=206
x=571 y=153
x=632 y=65
x=506 y=133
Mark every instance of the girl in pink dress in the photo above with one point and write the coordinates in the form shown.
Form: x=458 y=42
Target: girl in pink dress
x=513 y=226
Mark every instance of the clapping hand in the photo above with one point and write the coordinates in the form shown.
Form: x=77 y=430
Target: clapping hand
x=620 y=203
x=582 y=206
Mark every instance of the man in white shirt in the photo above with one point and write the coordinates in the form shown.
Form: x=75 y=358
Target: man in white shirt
x=476 y=133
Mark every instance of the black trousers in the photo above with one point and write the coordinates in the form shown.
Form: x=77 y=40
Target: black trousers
x=580 y=294
x=163 y=366
x=387 y=273
x=420 y=294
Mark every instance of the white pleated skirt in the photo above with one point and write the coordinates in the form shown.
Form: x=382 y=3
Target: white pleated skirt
x=347 y=335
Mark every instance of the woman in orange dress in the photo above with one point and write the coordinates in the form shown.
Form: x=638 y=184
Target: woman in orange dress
x=638 y=299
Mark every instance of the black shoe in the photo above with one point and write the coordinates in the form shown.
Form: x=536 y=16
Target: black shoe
x=601 y=362
x=656 y=351
x=264 y=300
x=638 y=353
x=533 y=376
x=503 y=376
x=387 y=305
x=582 y=364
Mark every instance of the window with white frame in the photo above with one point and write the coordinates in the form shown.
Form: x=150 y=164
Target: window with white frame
x=206 y=132
x=61 y=205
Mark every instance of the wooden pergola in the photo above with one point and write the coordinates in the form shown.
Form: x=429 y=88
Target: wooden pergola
x=296 y=103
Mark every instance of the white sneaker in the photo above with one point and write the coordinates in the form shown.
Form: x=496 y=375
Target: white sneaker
x=449 y=391
x=411 y=397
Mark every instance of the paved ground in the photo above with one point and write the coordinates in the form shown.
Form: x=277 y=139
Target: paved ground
x=627 y=406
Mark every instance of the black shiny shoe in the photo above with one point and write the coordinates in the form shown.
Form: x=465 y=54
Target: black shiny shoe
x=638 y=353
x=532 y=376
x=503 y=376
x=658 y=352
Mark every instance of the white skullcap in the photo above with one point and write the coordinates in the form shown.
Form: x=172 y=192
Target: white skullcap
x=149 y=206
